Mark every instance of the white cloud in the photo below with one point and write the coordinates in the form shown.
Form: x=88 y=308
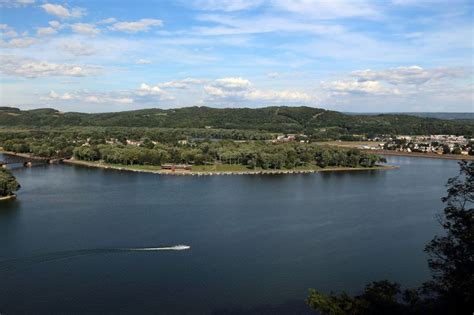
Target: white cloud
x=62 y=12
x=414 y=75
x=356 y=87
x=107 y=21
x=142 y=25
x=15 y=3
x=56 y=96
x=7 y=31
x=18 y=42
x=77 y=48
x=87 y=97
x=43 y=31
x=106 y=99
x=147 y=90
x=85 y=28
x=30 y=68
x=54 y=24
x=143 y=62
x=278 y=96
x=236 y=89
x=181 y=84
x=232 y=84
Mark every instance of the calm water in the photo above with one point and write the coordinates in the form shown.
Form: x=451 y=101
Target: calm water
x=257 y=242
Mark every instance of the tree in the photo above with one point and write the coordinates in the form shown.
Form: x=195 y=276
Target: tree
x=8 y=183
x=452 y=256
x=451 y=290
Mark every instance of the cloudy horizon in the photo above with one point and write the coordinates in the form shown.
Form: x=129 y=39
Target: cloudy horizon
x=351 y=56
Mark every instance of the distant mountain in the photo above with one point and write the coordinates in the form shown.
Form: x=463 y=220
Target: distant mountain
x=438 y=115
x=276 y=119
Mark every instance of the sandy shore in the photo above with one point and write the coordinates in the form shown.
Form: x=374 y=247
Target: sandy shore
x=211 y=173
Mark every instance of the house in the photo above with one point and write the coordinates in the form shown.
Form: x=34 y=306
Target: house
x=173 y=167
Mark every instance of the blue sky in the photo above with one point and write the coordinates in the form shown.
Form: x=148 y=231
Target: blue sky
x=359 y=56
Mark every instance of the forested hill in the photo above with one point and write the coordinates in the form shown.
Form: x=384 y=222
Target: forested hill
x=275 y=119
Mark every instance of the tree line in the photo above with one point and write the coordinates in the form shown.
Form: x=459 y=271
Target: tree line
x=314 y=122
x=157 y=147
x=251 y=154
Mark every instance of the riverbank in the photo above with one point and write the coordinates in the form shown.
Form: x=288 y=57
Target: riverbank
x=22 y=155
x=6 y=198
x=207 y=170
x=210 y=172
x=360 y=144
x=425 y=155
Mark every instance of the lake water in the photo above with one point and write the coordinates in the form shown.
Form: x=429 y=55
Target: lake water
x=257 y=242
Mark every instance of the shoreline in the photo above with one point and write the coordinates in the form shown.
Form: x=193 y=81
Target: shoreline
x=127 y=168
x=213 y=173
x=6 y=198
x=423 y=155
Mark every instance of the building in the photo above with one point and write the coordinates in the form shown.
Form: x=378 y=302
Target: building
x=173 y=167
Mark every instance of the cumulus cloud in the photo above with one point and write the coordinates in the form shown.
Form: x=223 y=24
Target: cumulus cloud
x=414 y=75
x=356 y=87
x=236 y=89
x=56 y=96
x=142 y=25
x=85 y=28
x=232 y=84
x=62 y=12
x=150 y=90
x=87 y=97
x=30 y=68
x=181 y=84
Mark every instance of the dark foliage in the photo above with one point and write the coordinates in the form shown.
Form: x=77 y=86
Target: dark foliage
x=318 y=123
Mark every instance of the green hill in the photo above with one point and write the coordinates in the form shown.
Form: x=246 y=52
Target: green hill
x=275 y=119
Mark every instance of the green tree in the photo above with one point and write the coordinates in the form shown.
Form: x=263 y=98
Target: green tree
x=452 y=255
x=8 y=183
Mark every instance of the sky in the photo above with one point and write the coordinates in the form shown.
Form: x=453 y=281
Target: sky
x=352 y=56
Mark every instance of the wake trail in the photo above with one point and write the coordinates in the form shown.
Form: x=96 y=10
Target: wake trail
x=16 y=263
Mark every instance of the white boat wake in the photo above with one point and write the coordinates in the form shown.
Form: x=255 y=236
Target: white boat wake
x=176 y=247
x=15 y=263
